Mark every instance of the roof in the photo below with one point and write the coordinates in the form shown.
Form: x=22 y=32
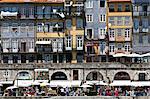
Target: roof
x=40 y=1
x=141 y=1
x=119 y=1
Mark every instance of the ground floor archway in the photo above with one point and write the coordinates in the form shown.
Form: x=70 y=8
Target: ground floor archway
x=59 y=76
x=94 y=75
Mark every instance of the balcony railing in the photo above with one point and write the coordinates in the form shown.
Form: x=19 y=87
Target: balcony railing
x=141 y=13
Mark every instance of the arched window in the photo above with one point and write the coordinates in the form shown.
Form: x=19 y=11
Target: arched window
x=94 y=76
x=23 y=76
x=59 y=76
x=122 y=76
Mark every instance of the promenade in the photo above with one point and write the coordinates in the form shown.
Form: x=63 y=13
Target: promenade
x=79 y=97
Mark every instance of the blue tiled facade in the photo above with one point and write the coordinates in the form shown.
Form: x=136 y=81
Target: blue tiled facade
x=98 y=12
x=141 y=26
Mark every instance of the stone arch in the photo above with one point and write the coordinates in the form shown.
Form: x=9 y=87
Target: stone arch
x=122 y=75
x=94 y=75
x=23 y=75
x=59 y=75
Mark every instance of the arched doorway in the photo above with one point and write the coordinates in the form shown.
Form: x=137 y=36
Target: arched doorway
x=23 y=76
x=59 y=76
x=122 y=76
x=94 y=76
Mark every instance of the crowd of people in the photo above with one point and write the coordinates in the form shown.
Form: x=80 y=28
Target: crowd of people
x=77 y=91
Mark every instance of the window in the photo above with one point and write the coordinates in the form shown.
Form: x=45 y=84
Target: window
x=60 y=45
x=39 y=28
x=46 y=28
x=75 y=74
x=102 y=3
x=55 y=45
x=31 y=28
x=127 y=8
x=111 y=8
x=23 y=11
x=5 y=28
x=111 y=20
x=127 y=47
x=15 y=59
x=102 y=32
x=5 y=59
x=102 y=18
x=148 y=38
x=112 y=33
x=61 y=58
x=14 y=44
x=68 y=41
x=111 y=48
x=54 y=58
x=79 y=41
x=89 y=4
x=79 y=23
x=68 y=23
x=144 y=23
x=140 y=39
x=119 y=21
x=127 y=21
x=142 y=76
x=31 y=11
x=119 y=32
x=89 y=33
x=119 y=7
x=127 y=33
x=31 y=44
x=89 y=17
x=6 y=44
x=6 y=73
x=23 y=28
x=136 y=24
x=145 y=8
x=119 y=46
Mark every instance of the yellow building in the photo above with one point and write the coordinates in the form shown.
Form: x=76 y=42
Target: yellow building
x=74 y=30
x=50 y=31
x=119 y=23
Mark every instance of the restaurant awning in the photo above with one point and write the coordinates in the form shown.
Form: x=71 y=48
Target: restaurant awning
x=41 y=70
x=23 y=83
x=145 y=55
x=120 y=55
x=91 y=82
x=43 y=42
x=65 y=83
x=6 y=82
x=8 y=13
x=134 y=55
x=140 y=83
x=121 y=83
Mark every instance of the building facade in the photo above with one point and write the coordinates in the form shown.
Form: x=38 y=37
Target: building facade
x=95 y=31
x=141 y=27
x=119 y=26
x=17 y=32
x=74 y=30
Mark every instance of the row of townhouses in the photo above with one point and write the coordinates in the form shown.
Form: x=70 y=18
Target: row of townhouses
x=62 y=31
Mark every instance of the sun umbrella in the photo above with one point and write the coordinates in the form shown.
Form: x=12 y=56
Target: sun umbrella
x=35 y=83
x=44 y=84
x=85 y=86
